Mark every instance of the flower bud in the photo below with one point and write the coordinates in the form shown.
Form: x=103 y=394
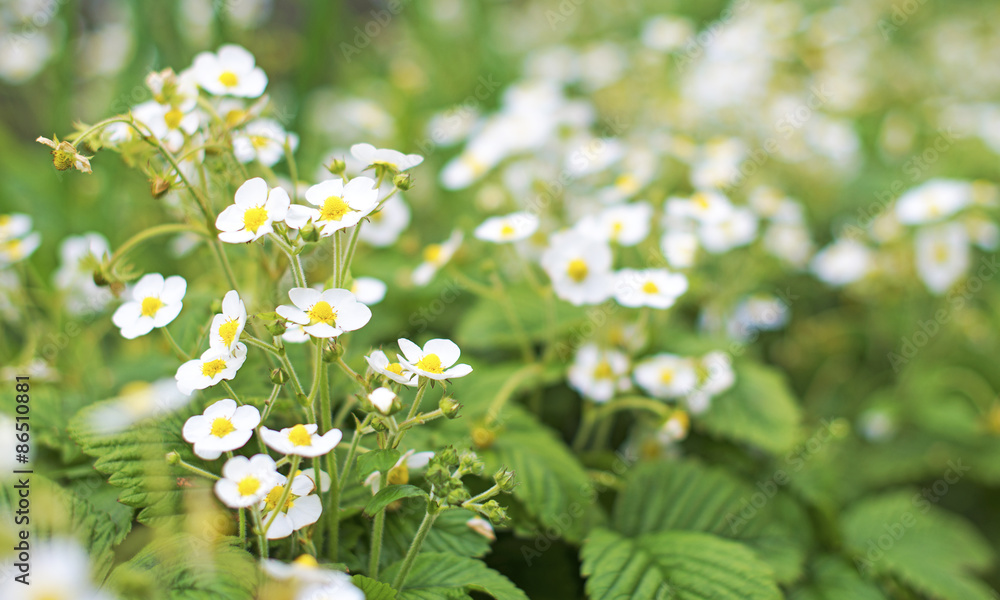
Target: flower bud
x=504 y=479
x=303 y=399
x=403 y=181
x=173 y=458
x=279 y=376
x=449 y=407
x=276 y=328
x=483 y=437
x=447 y=457
x=336 y=166
x=437 y=474
x=65 y=155
x=384 y=401
x=158 y=186
x=458 y=496
x=332 y=351
x=494 y=512
x=309 y=233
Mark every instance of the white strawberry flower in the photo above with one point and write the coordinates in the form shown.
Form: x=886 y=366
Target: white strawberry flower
x=168 y=123
x=482 y=527
x=155 y=303
x=399 y=474
x=314 y=582
x=435 y=257
x=666 y=376
x=325 y=314
x=227 y=327
x=598 y=373
x=60 y=569
x=706 y=206
x=942 y=255
x=210 y=368
x=842 y=262
x=509 y=228
x=436 y=360
x=263 y=140
x=301 y=440
x=254 y=212
x=933 y=201
x=579 y=267
x=17 y=241
x=301 y=509
x=385 y=158
x=246 y=481
x=719 y=376
x=680 y=248
x=379 y=363
x=385 y=225
x=230 y=72
x=738 y=228
x=658 y=288
x=223 y=427
x=625 y=224
x=368 y=290
x=335 y=205
x=382 y=399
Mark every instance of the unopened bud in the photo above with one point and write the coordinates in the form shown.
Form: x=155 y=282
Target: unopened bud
x=483 y=437
x=458 y=496
x=303 y=399
x=158 y=186
x=336 y=166
x=309 y=233
x=332 y=351
x=173 y=458
x=504 y=479
x=494 y=512
x=279 y=376
x=403 y=181
x=437 y=474
x=384 y=401
x=449 y=407
x=276 y=328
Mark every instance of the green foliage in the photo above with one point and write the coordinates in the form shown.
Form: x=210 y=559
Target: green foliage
x=376 y=460
x=759 y=410
x=834 y=578
x=450 y=533
x=442 y=576
x=187 y=567
x=685 y=565
x=374 y=590
x=390 y=494
x=552 y=485
x=900 y=534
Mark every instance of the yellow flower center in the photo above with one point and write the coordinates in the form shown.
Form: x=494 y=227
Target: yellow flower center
x=577 y=270
x=666 y=376
x=254 y=218
x=322 y=312
x=940 y=253
x=248 y=486
x=235 y=117
x=13 y=249
x=475 y=165
x=306 y=560
x=506 y=231
x=701 y=200
x=227 y=331
x=626 y=183
x=221 y=427
x=650 y=288
x=274 y=496
x=150 y=306
x=259 y=141
x=430 y=363
x=616 y=229
x=603 y=370
x=213 y=367
x=299 y=436
x=173 y=118
x=399 y=475
x=334 y=209
x=394 y=368
x=229 y=79
x=5 y=220
x=432 y=253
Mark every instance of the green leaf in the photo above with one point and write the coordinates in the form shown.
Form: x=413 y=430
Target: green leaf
x=390 y=494
x=449 y=534
x=933 y=551
x=187 y=567
x=441 y=576
x=374 y=590
x=835 y=579
x=134 y=460
x=685 y=495
x=759 y=410
x=551 y=484
x=679 y=565
x=376 y=460
x=485 y=325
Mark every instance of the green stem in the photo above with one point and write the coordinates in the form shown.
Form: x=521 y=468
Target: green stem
x=413 y=409
x=243 y=527
x=345 y=267
x=293 y=261
x=509 y=387
x=493 y=491
x=196 y=470
x=259 y=343
x=258 y=524
x=411 y=554
x=587 y=422
x=285 y=492
x=349 y=462
x=173 y=343
x=373 y=560
x=337 y=257
x=152 y=232
x=527 y=353
x=351 y=372
x=231 y=391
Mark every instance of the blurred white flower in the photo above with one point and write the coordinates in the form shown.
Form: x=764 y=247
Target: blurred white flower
x=230 y=72
x=942 y=253
x=666 y=376
x=842 y=262
x=263 y=140
x=598 y=374
x=658 y=288
x=933 y=201
x=509 y=228
x=579 y=267
x=435 y=257
x=385 y=224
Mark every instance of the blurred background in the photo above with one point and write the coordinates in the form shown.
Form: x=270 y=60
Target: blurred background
x=843 y=105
